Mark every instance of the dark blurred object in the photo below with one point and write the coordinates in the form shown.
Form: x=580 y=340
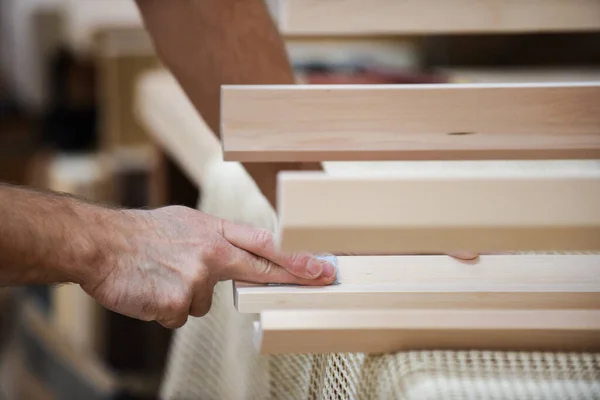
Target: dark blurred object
x=17 y=146
x=564 y=49
x=356 y=74
x=70 y=123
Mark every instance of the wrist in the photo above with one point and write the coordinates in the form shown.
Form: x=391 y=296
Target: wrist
x=96 y=244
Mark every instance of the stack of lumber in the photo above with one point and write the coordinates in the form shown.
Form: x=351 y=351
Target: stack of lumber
x=509 y=168
x=523 y=206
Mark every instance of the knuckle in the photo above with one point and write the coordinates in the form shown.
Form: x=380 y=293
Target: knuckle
x=200 y=278
x=176 y=304
x=216 y=251
x=299 y=260
x=262 y=239
x=173 y=323
x=265 y=267
x=201 y=309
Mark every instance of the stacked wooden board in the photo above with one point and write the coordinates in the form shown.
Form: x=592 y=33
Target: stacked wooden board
x=544 y=301
x=414 y=17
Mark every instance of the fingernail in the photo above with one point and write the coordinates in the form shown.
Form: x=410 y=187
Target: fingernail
x=328 y=270
x=315 y=267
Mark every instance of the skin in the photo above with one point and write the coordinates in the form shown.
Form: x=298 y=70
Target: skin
x=154 y=265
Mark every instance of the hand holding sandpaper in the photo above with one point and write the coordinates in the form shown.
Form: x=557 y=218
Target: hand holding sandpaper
x=169 y=260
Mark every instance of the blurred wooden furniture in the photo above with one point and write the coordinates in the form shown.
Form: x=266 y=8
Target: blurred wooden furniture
x=122 y=55
x=413 y=17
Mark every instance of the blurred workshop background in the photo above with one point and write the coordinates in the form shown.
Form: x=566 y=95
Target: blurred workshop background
x=71 y=77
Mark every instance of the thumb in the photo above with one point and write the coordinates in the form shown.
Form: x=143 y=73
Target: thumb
x=261 y=243
x=247 y=267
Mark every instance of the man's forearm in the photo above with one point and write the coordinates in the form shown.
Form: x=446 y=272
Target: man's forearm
x=208 y=43
x=49 y=238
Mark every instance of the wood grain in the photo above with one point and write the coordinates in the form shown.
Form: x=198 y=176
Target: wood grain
x=437 y=212
x=410 y=282
x=387 y=331
x=411 y=122
x=390 y=17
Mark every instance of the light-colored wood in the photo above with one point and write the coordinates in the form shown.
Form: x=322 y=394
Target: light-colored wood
x=170 y=119
x=440 y=211
x=519 y=74
x=393 y=17
x=409 y=282
x=123 y=56
x=384 y=331
x=411 y=122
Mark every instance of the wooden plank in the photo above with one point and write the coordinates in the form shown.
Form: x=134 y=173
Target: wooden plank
x=409 y=282
x=123 y=56
x=423 y=17
x=440 y=211
x=173 y=123
x=385 y=331
x=519 y=74
x=550 y=120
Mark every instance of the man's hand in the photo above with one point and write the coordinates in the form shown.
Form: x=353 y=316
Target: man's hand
x=166 y=262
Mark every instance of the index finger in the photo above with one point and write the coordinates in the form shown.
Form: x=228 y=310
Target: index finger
x=262 y=243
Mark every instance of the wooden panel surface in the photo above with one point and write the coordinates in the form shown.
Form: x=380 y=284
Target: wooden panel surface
x=409 y=282
x=411 y=122
x=386 y=331
x=440 y=212
x=392 y=17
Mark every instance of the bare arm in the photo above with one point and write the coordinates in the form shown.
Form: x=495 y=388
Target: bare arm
x=208 y=43
x=153 y=265
x=48 y=238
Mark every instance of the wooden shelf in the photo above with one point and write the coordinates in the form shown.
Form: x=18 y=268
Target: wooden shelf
x=412 y=282
x=411 y=122
x=425 y=17
x=440 y=211
x=388 y=331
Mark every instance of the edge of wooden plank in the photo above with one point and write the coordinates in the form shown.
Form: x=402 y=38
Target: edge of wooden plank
x=541 y=281
x=299 y=18
x=385 y=122
x=384 y=331
x=401 y=213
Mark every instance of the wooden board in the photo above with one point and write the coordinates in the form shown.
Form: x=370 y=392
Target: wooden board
x=123 y=56
x=411 y=122
x=519 y=74
x=422 y=17
x=385 y=331
x=440 y=212
x=410 y=282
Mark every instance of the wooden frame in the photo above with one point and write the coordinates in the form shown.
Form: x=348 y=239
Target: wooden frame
x=411 y=282
x=383 y=331
x=415 y=17
x=440 y=212
x=411 y=122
